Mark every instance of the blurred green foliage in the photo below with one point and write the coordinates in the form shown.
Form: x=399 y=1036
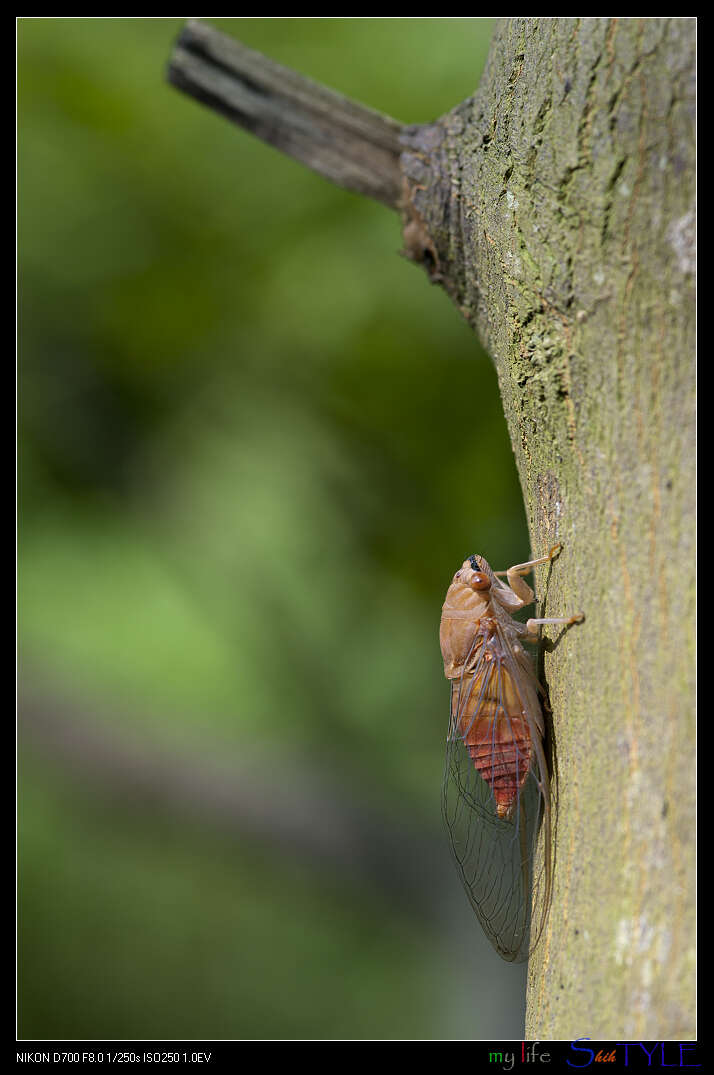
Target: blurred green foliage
x=254 y=446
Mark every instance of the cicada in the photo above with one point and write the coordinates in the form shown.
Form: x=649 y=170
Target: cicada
x=496 y=794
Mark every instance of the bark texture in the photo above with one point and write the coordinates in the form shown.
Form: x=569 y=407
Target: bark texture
x=557 y=208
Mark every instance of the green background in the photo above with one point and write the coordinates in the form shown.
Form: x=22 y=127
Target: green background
x=254 y=446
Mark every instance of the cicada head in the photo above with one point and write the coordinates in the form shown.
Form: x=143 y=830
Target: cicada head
x=476 y=574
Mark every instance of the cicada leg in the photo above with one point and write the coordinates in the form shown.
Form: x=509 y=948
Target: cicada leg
x=526 y=595
x=515 y=575
x=532 y=626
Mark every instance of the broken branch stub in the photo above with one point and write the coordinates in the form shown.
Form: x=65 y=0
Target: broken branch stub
x=346 y=142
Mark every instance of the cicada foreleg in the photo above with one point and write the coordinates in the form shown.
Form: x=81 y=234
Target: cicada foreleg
x=515 y=575
x=526 y=595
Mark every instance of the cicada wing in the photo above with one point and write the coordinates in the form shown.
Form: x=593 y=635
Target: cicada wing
x=539 y=780
x=494 y=854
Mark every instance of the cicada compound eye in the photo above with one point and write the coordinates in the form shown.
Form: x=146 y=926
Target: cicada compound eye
x=480 y=582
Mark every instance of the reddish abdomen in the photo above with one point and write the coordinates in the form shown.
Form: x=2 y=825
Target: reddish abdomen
x=497 y=736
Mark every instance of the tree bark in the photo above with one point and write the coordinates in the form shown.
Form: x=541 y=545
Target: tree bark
x=556 y=207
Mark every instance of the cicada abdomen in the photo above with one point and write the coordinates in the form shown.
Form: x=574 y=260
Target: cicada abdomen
x=495 y=733
x=496 y=795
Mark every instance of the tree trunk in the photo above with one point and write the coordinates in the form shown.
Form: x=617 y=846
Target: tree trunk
x=557 y=209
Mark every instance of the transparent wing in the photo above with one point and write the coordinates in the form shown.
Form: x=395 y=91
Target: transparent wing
x=495 y=794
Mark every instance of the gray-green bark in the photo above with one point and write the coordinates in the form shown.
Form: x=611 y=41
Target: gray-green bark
x=557 y=207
